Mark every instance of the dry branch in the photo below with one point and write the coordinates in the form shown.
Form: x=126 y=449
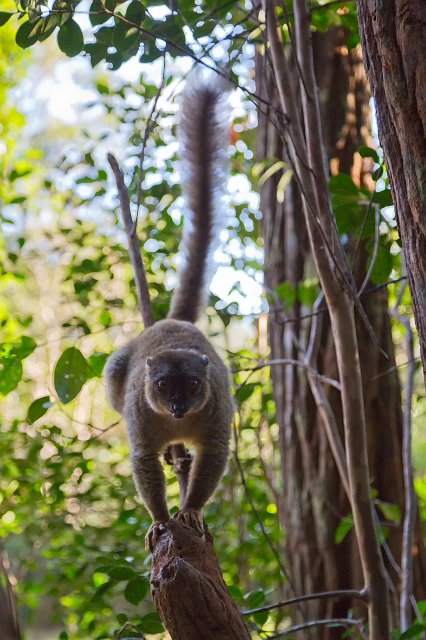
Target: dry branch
x=134 y=249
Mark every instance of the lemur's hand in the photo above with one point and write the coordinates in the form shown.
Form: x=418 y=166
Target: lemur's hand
x=153 y=535
x=192 y=518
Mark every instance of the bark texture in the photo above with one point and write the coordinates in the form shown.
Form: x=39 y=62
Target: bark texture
x=313 y=502
x=393 y=36
x=188 y=589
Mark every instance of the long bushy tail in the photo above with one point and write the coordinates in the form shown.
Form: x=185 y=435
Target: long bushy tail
x=204 y=139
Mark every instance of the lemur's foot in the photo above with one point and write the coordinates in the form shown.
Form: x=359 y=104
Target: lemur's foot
x=153 y=535
x=192 y=518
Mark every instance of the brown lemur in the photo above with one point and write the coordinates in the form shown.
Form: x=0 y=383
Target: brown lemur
x=169 y=383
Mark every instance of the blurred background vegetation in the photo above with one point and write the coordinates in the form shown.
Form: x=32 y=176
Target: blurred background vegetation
x=70 y=521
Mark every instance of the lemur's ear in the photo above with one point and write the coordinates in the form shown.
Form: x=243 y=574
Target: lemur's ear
x=149 y=362
x=205 y=359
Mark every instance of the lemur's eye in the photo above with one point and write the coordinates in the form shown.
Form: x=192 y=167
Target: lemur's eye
x=193 y=384
x=162 y=384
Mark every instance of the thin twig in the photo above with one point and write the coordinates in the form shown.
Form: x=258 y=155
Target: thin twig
x=291 y=361
x=322 y=595
x=322 y=401
x=267 y=468
x=343 y=622
x=408 y=528
x=134 y=249
x=375 y=249
x=361 y=233
x=145 y=141
x=256 y=513
x=307 y=316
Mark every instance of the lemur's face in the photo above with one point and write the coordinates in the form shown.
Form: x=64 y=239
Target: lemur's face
x=177 y=382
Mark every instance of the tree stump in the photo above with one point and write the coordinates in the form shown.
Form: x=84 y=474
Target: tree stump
x=188 y=588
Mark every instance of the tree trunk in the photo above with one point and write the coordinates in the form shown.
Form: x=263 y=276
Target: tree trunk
x=188 y=589
x=314 y=502
x=393 y=36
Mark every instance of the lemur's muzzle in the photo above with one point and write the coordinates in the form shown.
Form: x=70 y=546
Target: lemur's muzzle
x=178 y=411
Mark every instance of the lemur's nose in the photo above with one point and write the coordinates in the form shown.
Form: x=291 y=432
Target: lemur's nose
x=177 y=410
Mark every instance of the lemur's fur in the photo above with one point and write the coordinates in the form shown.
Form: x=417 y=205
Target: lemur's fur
x=169 y=383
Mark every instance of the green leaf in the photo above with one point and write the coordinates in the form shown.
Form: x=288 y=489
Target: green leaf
x=100 y=591
x=421 y=606
x=70 y=38
x=10 y=374
x=97 y=362
x=236 y=593
x=382 y=265
x=384 y=198
x=104 y=35
x=125 y=36
x=135 y=12
x=287 y=294
x=4 y=17
x=151 y=623
x=136 y=590
x=343 y=184
x=415 y=631
x=25 y=36
x=122 y=618
x=343 y=529
x=391 y=512
x=24 y=348
x=48 y=27
x=261 y=617
x=102 y=88
x=121 y=573
x=97 y=52
x=10 y=362
x=71 y=372
x=255 y=599
x=368 y=152
x=115 y=60
x=38 y=408
x=246 y=391
x=97 y=14
x=308 y=292
x=63 y=9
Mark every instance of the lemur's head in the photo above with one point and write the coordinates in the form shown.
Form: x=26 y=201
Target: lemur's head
x=177 y=382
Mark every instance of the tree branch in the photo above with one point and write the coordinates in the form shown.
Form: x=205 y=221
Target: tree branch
x=322 y=595
x=344 y=622
x=145 y=141
x=188 y=588
x=408 y=529
x=134 y=249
